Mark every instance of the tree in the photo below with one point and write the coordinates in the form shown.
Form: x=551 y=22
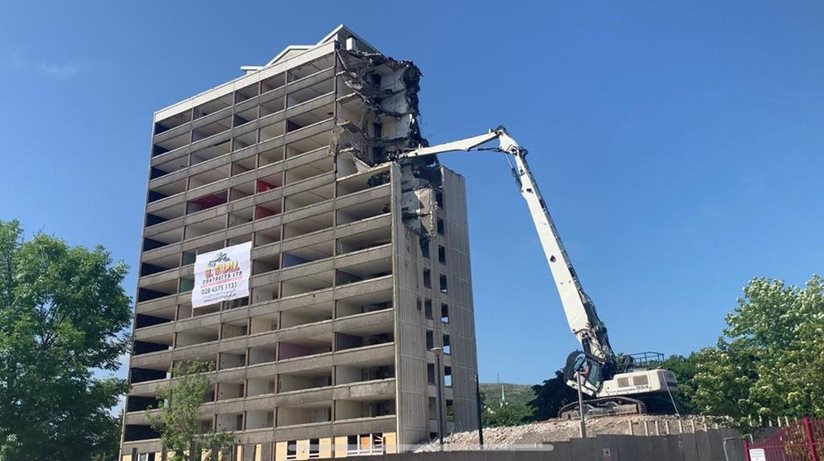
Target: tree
x=63 y=315
x=768 y=362
x=684 y=369
x=724 y=377
x=507 y=414
x=551 y=396
x=110 y=434
x=178 y=422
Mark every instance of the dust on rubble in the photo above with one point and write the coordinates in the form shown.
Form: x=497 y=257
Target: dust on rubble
x=559 y=430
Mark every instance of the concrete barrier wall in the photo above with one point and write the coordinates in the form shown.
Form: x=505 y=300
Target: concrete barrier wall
x=701 y=446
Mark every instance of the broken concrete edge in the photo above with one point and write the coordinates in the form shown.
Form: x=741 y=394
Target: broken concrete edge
x=363 y=74
x=388 y=89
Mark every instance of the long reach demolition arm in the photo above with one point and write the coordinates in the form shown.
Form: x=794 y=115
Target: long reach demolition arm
x=599 y=361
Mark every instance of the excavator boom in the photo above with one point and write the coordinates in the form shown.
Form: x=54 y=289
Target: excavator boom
x=596 y=368
x=598 y=358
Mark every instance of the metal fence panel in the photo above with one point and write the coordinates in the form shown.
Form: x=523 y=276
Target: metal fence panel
x=799 y=441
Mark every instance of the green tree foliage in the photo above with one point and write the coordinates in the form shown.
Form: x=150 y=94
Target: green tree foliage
x=178 y=423
x=684 y=369
x=551 y=396
x=63 y=314
x=769 y=360
x=508 y=414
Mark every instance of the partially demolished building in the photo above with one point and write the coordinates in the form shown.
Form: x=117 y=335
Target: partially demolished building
x=359 y=264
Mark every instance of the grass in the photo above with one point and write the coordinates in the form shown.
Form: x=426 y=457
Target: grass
x=513 y=393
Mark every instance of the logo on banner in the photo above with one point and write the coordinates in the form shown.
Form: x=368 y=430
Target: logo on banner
x=221 y=266
x=222 y=275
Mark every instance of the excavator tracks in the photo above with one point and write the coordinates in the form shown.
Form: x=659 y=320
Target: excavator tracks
x=606 y=406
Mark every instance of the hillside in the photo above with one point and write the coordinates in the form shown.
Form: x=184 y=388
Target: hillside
x=514 y=393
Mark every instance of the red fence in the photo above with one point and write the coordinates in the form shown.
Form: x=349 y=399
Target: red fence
x=800 y=441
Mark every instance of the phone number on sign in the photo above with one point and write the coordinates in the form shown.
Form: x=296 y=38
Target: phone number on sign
x=218 y=288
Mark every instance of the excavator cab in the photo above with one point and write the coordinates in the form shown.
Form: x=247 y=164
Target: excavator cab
x=591 y=370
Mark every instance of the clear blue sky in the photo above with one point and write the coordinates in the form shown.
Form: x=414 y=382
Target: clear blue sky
x=680 y=145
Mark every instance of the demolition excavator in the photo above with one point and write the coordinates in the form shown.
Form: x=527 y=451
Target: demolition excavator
x=616 y=384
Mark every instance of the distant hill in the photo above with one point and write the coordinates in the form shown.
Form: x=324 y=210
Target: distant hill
x=515 y=393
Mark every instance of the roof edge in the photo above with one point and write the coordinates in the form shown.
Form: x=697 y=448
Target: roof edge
x=350 y=32
x=287 y=50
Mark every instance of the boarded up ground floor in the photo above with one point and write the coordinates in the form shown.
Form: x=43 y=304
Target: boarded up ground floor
x=712 y=445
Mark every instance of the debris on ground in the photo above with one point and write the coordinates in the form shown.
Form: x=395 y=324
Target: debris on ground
x=560 y=430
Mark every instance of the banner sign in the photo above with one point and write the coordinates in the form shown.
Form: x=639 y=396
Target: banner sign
x=222 y=275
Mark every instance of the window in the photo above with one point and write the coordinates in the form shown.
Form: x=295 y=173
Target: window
x=443 y=284
x=352 y=444
x=430 y=340
x=424 y=243
x=444 y=313
x=364 y=444
x=441 y=227
x=428 y=309
x=439 y=199
x=188 y=258
x=186 y=285
x=441 y=254
x=239 y=302
x=427 y=278
x=447 y=345
x=314 y=448
x=447 y=376
x=430 y=373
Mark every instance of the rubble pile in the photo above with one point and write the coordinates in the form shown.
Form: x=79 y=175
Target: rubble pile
x=560 y=430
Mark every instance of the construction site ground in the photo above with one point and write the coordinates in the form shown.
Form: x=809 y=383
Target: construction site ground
x=534 y=435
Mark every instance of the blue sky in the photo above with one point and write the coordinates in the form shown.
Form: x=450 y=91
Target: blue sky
x=679 y=144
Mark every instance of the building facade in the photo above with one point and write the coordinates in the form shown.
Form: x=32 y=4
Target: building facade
x=360 y=264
